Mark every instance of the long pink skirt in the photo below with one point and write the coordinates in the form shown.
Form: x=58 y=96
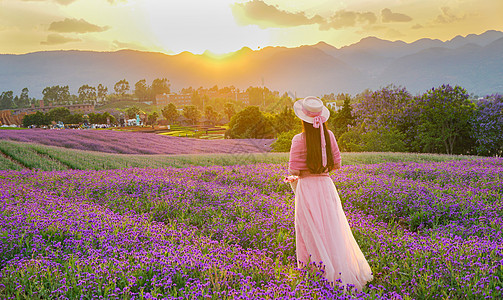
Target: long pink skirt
x=323 y=233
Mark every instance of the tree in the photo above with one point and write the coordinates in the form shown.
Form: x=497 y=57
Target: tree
x=152 y=118
x=170 y=113
x=74 y=119
x=211 y=114
x=142 y=90
x=121 y=87
x=50 y=94
x=382 y=108
x=445 y=114
x=7 y=100
x=249 y=123
x=63 y=95
x=259 y=96
x=488 y=126
x=56 y=94
x=229 y=110
x=23 y=100
x=284 y=141
x=102 y=92
x=87 y=93
x=37 y=119
x=286 y=121
x=160 y=86
x=132 y=111
x=343 y=119
x=192 y=113
x=58 y=114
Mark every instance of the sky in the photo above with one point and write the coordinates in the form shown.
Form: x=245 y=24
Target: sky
x=223 y=26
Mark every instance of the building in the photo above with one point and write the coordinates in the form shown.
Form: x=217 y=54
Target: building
x=176 y=99
x=82 y=108
x=186 y=99
x=333 y=106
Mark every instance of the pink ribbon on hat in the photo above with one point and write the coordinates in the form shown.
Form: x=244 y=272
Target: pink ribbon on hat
x=318 y=123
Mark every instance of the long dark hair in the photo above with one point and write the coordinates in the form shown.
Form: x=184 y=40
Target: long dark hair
x=313 y=144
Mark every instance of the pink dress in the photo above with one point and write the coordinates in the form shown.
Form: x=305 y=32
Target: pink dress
x=322 y=230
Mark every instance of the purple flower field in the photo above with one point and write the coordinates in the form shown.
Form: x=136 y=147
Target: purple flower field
x=428 y=230
x=133 y=142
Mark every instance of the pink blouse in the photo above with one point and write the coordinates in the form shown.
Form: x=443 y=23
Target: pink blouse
x=298 y=152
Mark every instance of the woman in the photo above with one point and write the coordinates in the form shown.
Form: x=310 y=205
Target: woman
x=322 y=230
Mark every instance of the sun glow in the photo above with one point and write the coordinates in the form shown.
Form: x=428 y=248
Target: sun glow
x=197 y=26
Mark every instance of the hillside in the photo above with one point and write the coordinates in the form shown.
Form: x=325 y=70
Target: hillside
x=474 y=62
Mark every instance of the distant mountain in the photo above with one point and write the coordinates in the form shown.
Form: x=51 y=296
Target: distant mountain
x=475 y=62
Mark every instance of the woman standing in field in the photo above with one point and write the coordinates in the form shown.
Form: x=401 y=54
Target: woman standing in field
x=322 y=230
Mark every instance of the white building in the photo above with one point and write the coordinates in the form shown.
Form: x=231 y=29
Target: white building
x=333 y=106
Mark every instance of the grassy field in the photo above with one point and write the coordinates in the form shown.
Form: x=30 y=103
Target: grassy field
x=17 y=156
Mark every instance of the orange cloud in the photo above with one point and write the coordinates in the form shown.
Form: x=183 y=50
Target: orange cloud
x=259 y=13
x=389 y=16
x=447 y=16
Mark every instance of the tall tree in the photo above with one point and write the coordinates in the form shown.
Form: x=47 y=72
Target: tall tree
x=102 y=92
x=7 y=100
x=170 y=113
x=160 y=86
x=211 y=114
x=87 y=93
x=285 y=121
x=142 y=90
x=50 y=94
x=152 y=118
x=229 y=110
x=63 y=95
x=249 y=123
x=196 y=99
x=488 y=126
x=23 y=100
x=343 y=119
x=445 y=119
x=192 y=113
x=121 y=87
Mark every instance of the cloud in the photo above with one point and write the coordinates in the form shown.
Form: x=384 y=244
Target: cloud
x=58 y=39
x=344 y=18
x=257 y=12
x=260 y=13
x=447 y=16
x=388 y=16
x=77 y=26
x=417 y=26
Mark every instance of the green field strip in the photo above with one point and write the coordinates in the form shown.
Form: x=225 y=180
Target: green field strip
x=29 y=158
x=19 y=155
x=6 y=163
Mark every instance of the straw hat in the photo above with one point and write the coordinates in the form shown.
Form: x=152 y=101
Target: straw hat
x=308 y=108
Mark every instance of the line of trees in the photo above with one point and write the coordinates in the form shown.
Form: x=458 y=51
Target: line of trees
x=9 y=101
x=441 y=120
x=63 y=114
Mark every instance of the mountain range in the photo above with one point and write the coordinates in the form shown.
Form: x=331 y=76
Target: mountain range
x=474 y=62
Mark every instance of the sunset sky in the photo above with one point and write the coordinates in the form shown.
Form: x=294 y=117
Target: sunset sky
x=222 y=26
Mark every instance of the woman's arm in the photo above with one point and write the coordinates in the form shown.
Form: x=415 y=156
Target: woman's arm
x=335 y=152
